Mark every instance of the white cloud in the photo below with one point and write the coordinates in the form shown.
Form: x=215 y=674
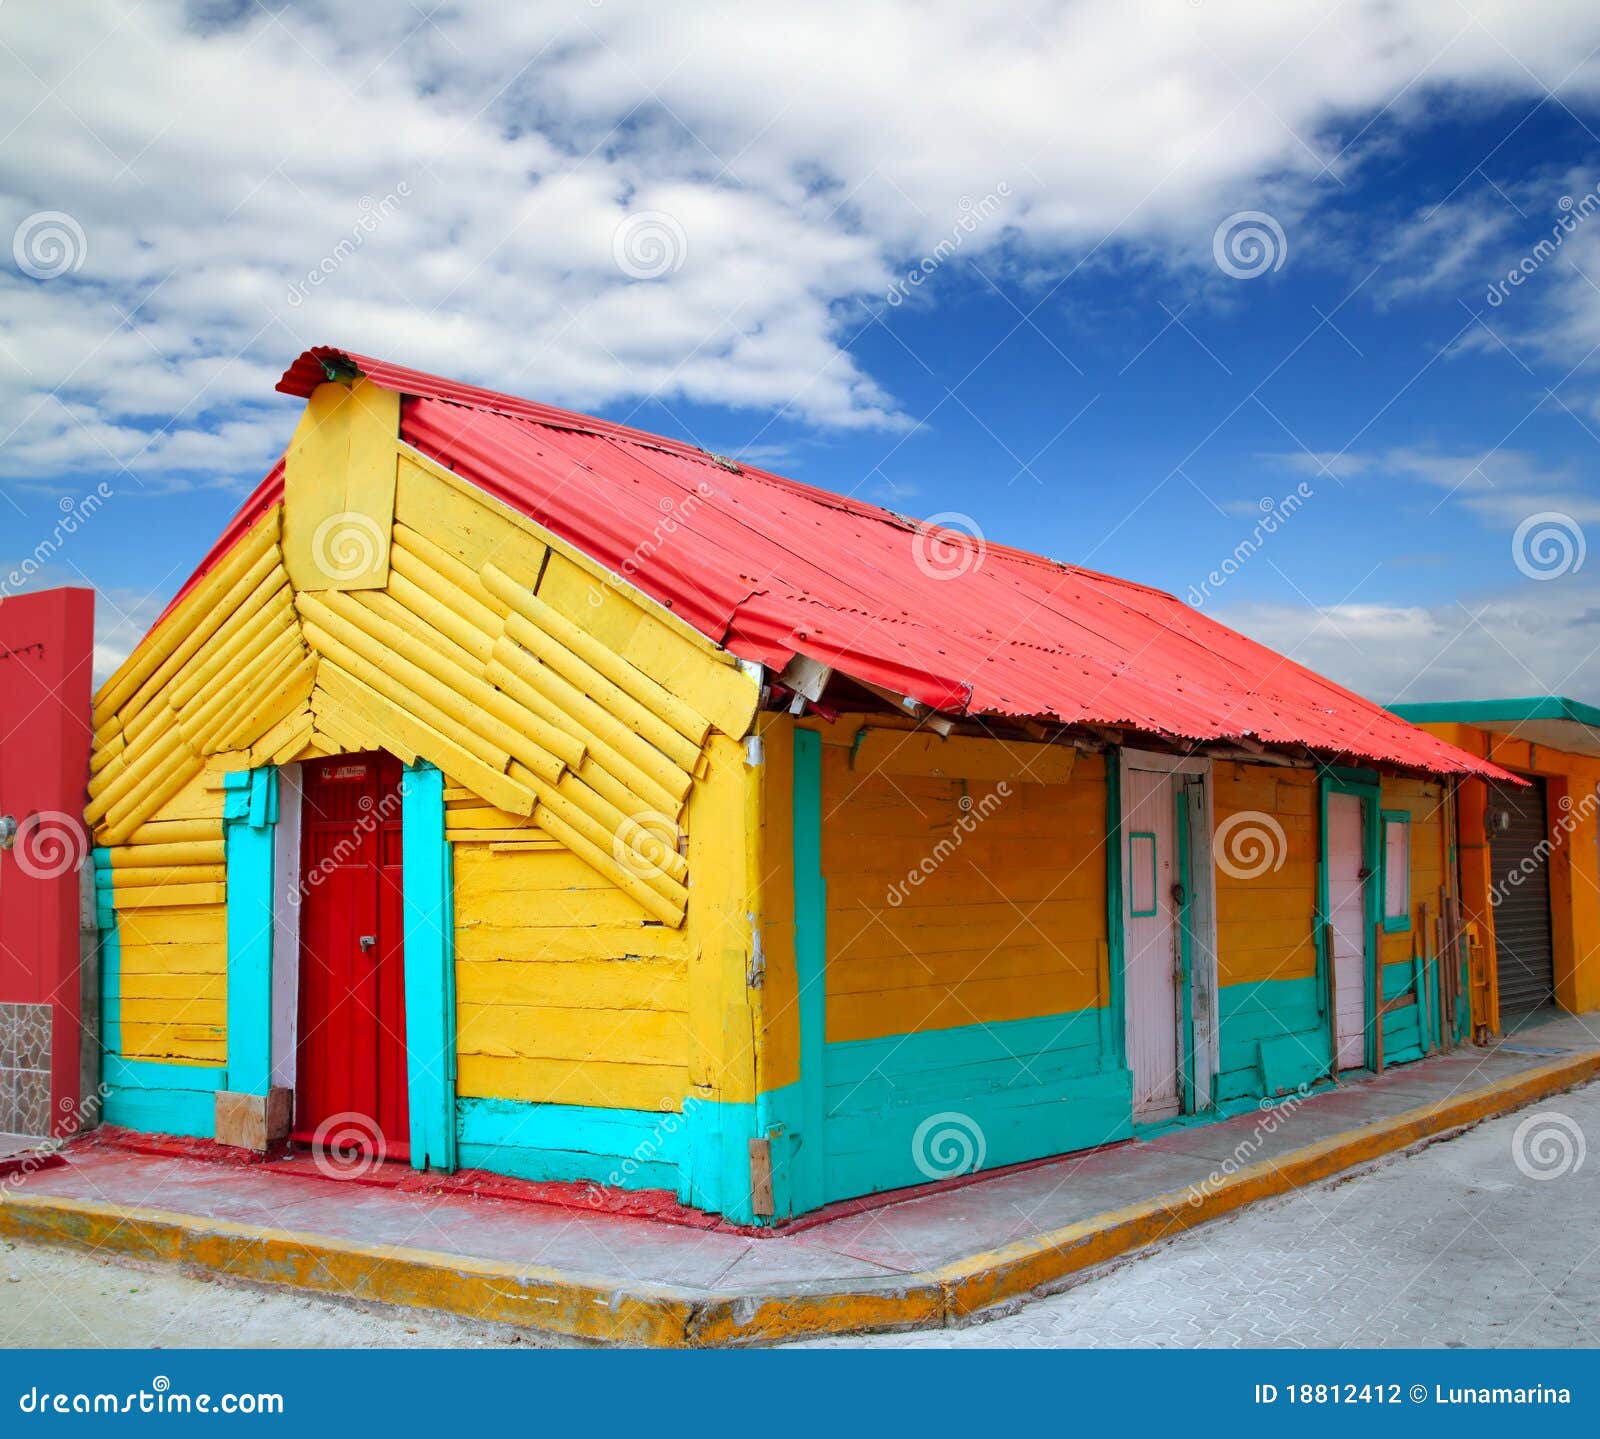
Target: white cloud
x=1543 y=638
x=806 y=156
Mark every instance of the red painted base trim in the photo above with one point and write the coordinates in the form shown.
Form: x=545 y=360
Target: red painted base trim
x=30 y=1162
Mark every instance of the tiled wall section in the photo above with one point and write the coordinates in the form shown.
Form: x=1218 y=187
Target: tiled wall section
x=25 y=1068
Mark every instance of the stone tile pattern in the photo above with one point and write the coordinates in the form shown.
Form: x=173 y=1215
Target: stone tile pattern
x=25 y=1069
x=1456 y=1246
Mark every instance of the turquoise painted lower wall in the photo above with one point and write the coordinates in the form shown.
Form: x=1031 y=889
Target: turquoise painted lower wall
x=1272 y=1031
x=910 y=1108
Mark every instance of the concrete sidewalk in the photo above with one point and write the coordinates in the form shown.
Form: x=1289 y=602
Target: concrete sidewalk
x=924 y=1259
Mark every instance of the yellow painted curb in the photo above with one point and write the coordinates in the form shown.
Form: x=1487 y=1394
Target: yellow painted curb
x=588 y=1308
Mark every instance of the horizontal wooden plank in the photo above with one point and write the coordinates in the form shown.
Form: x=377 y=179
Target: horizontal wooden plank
x=598 y=984
x=630 y=1086
x=639 y=1036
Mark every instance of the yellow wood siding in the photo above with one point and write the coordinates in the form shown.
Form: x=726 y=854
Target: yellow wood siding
x=599 y=803
x=955 y=901
x=1264 y=920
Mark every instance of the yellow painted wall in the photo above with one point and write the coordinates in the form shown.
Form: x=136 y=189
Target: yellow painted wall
x=600 y=805
x=174 y=954
x=1265 y=921
x=1008 y=923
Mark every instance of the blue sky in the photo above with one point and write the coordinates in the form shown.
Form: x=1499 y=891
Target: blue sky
x=1076 y=373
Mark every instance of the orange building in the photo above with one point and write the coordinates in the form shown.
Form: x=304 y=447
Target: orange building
x=1530 y=857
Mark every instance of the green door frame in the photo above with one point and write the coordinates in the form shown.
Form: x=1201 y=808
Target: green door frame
x=1364 y=785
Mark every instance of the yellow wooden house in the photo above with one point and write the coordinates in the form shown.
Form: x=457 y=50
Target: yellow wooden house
x=513 y=791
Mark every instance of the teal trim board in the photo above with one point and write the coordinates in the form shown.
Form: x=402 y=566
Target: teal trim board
x=807 y=1178
x=1502 y=711
x=1114 y=1017
x=1271 y=1037
x=620 y=1148
x=1142 y=901
x=1394 y=923
x=429 y=918
x=909 y=1108
x=249 y=813
x=105 y=918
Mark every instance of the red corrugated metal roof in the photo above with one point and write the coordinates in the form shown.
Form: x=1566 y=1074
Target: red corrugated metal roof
x=770 y=568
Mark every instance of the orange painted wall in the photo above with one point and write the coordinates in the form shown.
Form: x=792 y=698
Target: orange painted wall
x=1571 y=784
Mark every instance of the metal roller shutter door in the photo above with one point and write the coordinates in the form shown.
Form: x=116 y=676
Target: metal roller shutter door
x=1523 y=948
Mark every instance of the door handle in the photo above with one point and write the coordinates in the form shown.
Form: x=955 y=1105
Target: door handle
x=1178 y=895
x=368 y=941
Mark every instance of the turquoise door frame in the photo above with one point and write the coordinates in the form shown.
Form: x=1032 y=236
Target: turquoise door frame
x=250 y=815
x=1364 y=785
x=430 y=968
x=808 y=1177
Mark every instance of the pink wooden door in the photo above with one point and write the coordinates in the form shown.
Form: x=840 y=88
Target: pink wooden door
x=1348 y=917
x=1150 y=870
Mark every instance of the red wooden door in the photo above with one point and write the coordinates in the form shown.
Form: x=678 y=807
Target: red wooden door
x=350 y=1080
